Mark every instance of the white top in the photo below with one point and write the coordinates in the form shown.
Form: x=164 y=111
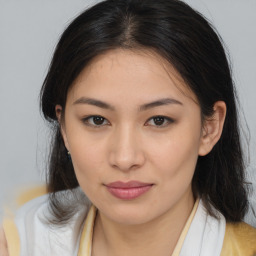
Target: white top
x=203 y=235
x=39 y=238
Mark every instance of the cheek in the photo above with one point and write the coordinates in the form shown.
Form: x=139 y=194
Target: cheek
x=87 y=160
x=175 y=166
x=88 y=167
x=176 y=155
x=87 y=154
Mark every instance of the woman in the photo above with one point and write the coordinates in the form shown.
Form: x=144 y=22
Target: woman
x=146 y=157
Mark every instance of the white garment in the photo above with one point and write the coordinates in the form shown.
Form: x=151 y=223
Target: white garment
x=39 y=238
x=206 y=234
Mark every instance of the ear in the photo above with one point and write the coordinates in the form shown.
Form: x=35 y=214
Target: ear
x=59 y=112
x=212 y=128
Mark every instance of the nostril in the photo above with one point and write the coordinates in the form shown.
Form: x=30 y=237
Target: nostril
x=126 y=161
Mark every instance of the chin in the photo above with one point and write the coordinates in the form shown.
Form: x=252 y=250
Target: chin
x=128 y=214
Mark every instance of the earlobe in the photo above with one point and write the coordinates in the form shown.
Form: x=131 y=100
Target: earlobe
x=58 y=111
x=212 y=129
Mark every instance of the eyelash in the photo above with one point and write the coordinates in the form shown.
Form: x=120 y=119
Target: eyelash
x=167 y=120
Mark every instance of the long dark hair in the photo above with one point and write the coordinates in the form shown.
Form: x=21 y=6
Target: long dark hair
x=185 y=39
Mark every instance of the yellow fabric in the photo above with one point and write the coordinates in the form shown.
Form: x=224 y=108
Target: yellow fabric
x=11 y=234
x=10 y=229
x=180 y=242
x=28 y=194
x=239 y=240
x=87 y=233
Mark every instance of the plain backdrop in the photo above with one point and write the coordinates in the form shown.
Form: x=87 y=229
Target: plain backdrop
x=29 y=31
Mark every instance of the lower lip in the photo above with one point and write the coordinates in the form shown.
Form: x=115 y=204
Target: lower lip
x=129 y=193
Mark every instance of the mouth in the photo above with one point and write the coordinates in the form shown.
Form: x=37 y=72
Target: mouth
x=128 y=190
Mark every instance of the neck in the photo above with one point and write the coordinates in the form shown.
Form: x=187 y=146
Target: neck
x=157 y=237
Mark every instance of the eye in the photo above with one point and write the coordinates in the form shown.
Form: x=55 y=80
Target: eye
x=96 y=121
x=160 y=121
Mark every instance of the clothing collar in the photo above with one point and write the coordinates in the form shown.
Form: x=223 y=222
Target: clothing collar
x=87 y=233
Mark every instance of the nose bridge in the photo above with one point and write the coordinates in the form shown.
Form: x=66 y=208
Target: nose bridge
x=126 y=151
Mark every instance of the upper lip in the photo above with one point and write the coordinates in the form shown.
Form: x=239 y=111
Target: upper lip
x=129 y=184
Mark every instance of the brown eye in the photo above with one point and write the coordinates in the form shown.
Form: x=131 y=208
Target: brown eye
x=98 y=120
x=159 y=121
x=95 y=121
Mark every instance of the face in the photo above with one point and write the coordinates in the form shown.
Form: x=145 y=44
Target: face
x=134 y=133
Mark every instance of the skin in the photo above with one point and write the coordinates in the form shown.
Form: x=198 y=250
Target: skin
x=131 y=145
x=3 y=244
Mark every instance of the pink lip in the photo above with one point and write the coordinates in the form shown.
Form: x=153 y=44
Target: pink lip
x=128 y=190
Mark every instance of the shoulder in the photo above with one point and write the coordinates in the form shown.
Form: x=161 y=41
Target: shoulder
x=39 y=208
x=30 y=230
x=3 y=243
x=19 y=225
x=240 y=239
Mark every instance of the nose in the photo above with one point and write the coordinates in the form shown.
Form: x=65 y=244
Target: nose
x=126 y=152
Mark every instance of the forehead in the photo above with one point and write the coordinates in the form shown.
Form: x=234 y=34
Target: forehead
x=130 y=74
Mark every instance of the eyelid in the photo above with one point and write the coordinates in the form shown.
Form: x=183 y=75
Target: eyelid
x=85 y=121
x=169 y=121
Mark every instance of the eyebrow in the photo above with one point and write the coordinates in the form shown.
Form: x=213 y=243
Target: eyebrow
x=144 y=107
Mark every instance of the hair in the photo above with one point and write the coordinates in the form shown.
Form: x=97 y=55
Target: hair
x=184 y=38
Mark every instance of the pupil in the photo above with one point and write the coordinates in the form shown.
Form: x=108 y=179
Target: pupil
x=158 y=120
x=98 y=120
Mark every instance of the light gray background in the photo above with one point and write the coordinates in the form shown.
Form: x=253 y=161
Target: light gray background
x=29 y=31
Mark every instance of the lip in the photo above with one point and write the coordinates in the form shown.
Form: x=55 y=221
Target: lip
x=128 y=190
